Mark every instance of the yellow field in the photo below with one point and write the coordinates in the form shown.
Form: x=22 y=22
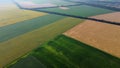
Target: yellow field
x=10 y=14
x=103 y=36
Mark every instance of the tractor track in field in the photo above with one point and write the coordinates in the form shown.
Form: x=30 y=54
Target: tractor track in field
x=74 y=16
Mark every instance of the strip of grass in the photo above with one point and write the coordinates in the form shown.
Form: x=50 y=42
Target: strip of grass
x=64 y=52
x=82 y=10
x=24 y=43
x=11 y=31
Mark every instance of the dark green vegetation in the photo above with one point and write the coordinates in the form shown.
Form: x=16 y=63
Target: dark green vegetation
x=82 y=10
x=64 y=52
x=32 y=61
x=14 y=30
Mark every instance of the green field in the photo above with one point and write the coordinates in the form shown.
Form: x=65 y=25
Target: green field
x=32 y=61
x=14 y=30
x=82 y=10
x=64 y=52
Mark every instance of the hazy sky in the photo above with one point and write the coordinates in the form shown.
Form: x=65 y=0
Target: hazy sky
x=5 y=1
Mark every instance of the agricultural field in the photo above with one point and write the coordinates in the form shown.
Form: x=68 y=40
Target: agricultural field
x=57 y=34
x=11 y=14
x=99 y=35
x=24 y=43
x=15 y=30
x=114 y=17
x=82 y=10
x=78 y=10
x=65 y=52
x=23 y=30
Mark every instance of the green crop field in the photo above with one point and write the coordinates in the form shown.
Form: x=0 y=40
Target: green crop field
x=82 y=10
x=64 y=52
x=11 y=31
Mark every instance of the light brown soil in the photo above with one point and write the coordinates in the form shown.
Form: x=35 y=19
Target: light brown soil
x=114 y=17
x=103 y=36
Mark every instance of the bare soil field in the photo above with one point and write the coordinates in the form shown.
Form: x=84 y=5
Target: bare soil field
x=105 y=37
x=113 y=17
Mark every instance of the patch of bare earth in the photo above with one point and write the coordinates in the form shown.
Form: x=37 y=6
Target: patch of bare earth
x=105 y=37
x=113 y=17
